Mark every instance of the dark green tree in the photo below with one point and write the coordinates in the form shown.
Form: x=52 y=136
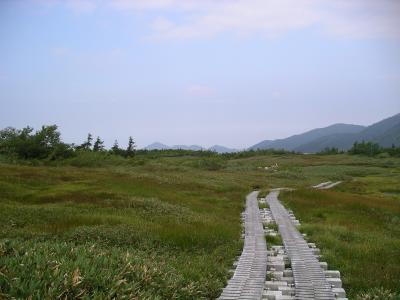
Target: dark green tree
x=98 y=145
x=130 y=150
x=115 y=148
x=87 y=145
x=366 y=148
x=45 y=143
x=329 y=150
x=393 y=151
x=9 y=138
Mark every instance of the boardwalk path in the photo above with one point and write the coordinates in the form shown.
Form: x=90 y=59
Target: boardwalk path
x=249 y=277
x=309 y=278
x=326 y=185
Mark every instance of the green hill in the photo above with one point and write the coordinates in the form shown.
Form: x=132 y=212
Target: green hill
x=342 y=136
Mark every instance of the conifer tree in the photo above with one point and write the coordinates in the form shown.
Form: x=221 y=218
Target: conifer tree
x=98 y=145
x=130 y=151
x=115 y=148
x=88 y=144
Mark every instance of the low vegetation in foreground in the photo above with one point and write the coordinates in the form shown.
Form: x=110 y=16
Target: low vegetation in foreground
x=165 y=230
x=357 y=226
x=166 y=225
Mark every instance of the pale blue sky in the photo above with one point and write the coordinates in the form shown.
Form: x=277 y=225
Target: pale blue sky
x=231 y=72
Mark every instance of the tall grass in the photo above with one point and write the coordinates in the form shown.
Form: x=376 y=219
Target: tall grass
x=168 y=226
x=118 y=232
x=358 y=235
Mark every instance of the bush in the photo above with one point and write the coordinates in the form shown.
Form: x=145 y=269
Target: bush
x=383 y=155
x=373 y=149
x=252 y=153
x=94 y=159
x=329 y=150
x=365 y=148
x=44 y=144
x=211 y=164
x=393 y=151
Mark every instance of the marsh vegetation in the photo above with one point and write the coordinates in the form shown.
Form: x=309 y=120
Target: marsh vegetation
x=166 y=225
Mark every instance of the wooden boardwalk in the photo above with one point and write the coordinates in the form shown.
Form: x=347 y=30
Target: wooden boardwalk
x=249 y=278
x=309 y=277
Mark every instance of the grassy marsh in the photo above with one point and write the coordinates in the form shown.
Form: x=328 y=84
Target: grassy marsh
x=169 y=227
x=358 y=235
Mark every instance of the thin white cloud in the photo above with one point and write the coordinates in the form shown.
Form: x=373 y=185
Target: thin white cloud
x=206 y=18
x=362 y=18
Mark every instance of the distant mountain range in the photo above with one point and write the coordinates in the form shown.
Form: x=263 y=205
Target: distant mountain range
x=222 y=149
x=342 y=136
x=160 y=146
x=215 y=148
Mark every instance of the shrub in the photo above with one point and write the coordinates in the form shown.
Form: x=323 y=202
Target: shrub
x=373 y=149
x=94 y=159
x=211 y=164
x=365 y=148
x=329 y=150
x=45 y=143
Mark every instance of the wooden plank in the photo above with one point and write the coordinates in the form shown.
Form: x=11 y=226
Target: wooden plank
x=309 y=277
x=249 y=278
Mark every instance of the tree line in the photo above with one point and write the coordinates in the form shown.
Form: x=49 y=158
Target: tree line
x=373 y=149
x=364 y=148
x=46 y=143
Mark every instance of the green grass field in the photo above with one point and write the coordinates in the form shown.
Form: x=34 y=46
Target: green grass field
x=359 y=234
x=169 y=227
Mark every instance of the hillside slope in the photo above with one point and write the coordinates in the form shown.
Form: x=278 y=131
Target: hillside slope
x=293 y=142
x=385 y=133
x=342 y=136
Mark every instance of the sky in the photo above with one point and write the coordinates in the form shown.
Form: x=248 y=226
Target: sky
x=229 y=72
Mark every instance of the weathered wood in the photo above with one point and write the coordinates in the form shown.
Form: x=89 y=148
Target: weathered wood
x=309 y=277
x=249 y=277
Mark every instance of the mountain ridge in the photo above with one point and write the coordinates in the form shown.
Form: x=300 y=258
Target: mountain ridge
x=342 y=136
x=215 y=148
x=292 y=142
